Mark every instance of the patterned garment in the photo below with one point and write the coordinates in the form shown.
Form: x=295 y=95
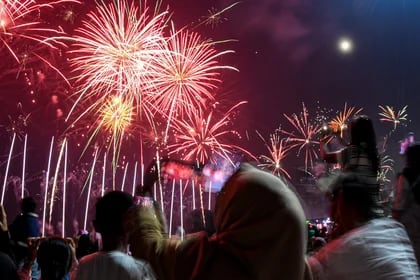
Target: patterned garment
x=114 y=265
x=378 y=250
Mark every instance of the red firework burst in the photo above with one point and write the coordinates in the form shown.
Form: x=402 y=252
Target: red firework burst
x=201 y=138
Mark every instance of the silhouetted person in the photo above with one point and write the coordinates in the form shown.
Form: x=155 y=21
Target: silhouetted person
x=24 y=226
x=406 y=205
x=370 y=246
x=361 y=154
x=113 y=262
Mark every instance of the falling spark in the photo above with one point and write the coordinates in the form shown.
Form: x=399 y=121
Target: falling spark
x=388 y=114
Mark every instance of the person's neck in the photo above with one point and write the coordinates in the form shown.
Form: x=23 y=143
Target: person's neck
x=113 y=244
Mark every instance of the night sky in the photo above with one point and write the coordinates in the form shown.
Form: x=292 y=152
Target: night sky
x=287 y=54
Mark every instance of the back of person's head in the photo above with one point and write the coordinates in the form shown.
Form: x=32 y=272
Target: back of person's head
x=110 y=212
x=85 y=246
x=363 y=135
x=54 y=258
x=28 y=205
x=412 y=157
x=359 y=194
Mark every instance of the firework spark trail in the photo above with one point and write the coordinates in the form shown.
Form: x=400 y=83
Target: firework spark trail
x=103 y=176
x=6 y=173
x=92 y=172
x=278 y=150
x=124 y=176
x=388 y=114
x=135 y=179
x=339 y=123
x=187 y=75
x=24 y=166
x=200 y=137
x=47 y=179
x=115 y=50
x=54 y=186
x=304 y=139
x=63 y=218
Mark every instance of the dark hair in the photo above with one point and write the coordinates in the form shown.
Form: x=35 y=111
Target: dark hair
x=110 y=212
x=363 y=136
x=54 y=258
x=361 y=192
x=28 y=205
x=412 y=157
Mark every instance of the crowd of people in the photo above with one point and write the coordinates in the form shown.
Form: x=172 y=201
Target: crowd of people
x=257 y=230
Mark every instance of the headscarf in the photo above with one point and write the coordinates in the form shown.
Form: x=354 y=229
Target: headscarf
x=260 y=221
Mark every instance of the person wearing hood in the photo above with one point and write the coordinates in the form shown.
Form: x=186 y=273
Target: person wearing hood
x=260 y=234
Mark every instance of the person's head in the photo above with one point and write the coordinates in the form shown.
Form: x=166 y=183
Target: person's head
x=54 y=258
x=110 y=212
x=354 y=200
x=28 y=205
x=257 y=219
x=412 y=157
x=363 y=135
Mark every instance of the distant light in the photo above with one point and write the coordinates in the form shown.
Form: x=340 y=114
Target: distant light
x=345 y=45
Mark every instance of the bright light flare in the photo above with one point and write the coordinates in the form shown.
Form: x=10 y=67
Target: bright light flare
x=345 y=45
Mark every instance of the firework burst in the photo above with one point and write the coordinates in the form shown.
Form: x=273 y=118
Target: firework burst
x=24 y=35
x=200 y=138
x=278 y=150
x=188 y=74
x=115 y=50
x=304 y=137
x=388 y=114
x=339 y=123
x=215 y=16
x=386 y=166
